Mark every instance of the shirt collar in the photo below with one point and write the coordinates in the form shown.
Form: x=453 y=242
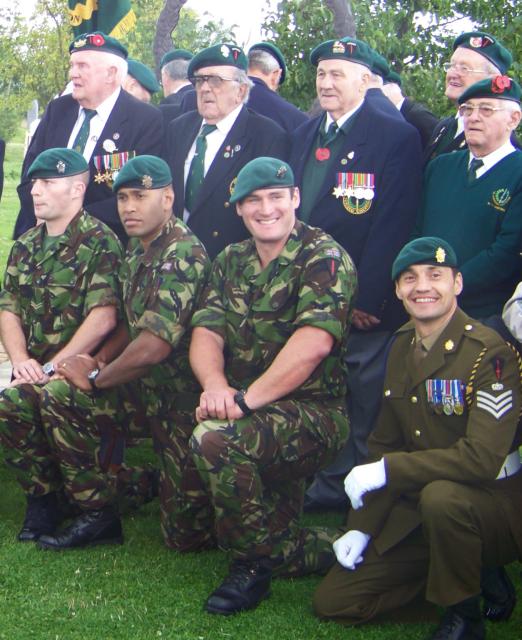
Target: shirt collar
x=103 y=110
x=494 y=157
x=342 y=119
x=227 y=123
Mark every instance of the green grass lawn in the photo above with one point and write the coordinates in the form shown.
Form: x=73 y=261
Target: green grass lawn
x=142 y=590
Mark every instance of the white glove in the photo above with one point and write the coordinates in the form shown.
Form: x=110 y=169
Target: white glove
x=349 y=548
x=363 y=478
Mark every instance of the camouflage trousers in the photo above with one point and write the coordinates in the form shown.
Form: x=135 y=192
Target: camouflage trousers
x=77 y=420
x=33 y=454
x=251 y=485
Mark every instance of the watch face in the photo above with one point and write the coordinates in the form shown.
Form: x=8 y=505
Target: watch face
x=48 y=368
x=92 y=374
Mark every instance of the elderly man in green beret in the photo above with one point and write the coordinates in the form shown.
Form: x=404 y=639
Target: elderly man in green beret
x=473 y=198
x=437 y=503
x=267 y=348
x=140 y=82
x=477 y=55
x=174 y=75
x=140 y=378
x=98 y=119
x=209 y=146
x=60 y=298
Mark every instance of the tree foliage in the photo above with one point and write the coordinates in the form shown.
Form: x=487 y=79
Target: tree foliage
x=414 y=35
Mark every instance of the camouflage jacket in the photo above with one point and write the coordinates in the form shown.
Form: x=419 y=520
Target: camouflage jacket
x=311 y=283
x=160 y=289
x=53 y=288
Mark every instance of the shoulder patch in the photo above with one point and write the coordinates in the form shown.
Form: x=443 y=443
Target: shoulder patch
x=496 y=405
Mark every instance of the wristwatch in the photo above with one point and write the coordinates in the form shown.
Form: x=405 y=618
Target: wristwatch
x=49 y=369
x=91 y=377
x=239 y=399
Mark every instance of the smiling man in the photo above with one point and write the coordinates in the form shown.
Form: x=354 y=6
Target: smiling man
x=437 y=505
x=140 y=381
x=207 y=148
x=478 y=209
x=267 y=347
x=476 y=56
x=99 y=120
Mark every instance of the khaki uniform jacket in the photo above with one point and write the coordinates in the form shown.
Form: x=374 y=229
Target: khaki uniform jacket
x=421 y=444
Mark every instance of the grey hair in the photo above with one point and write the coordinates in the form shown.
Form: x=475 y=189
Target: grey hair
x=242 y=78
x=263 y=61
x=177 y=69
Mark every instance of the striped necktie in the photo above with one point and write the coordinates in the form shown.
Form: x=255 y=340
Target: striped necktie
x=83 y=133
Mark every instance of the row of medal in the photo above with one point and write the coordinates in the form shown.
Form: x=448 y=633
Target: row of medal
x=108 y=165
x=446 y=396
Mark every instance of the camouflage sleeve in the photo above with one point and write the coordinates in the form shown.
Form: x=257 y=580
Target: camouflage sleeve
x=10 y=294
x=176 y=285
x=327 y=289
x=103 y=286
x=210 y=308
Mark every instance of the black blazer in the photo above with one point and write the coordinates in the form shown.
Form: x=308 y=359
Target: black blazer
x=132 y=125
x=214 y=220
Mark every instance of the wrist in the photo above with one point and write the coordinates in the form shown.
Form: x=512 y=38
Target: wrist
x=239 y=399
x=91 y=377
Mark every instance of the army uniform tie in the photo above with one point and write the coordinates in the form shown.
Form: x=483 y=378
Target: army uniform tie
x=331 y=134
x=83 y=133
x=197 y=167
x=474 y=166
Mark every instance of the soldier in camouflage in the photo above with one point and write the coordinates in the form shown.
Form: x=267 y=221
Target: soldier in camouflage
x=141 y=377
x=268 y=348
x=60 y=298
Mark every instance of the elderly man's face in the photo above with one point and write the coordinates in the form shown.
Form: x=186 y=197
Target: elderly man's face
x=489 y=125
x=91 y=76
x=467 y=68
x=218 y=92
x=340 y=85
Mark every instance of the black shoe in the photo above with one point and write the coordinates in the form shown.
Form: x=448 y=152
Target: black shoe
x=454 y=626
x=42 y=516
x=102 y=526
x=245 y=586
x=498 y=593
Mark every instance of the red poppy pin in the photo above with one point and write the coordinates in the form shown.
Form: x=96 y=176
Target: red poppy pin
x=500 y=83
x=97 y=40
x=321 y=154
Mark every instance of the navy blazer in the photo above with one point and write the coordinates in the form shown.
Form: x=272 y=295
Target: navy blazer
x=214 y=220
x=171 y=106
x=270 y=104
x=132 y=125
x=390 y=149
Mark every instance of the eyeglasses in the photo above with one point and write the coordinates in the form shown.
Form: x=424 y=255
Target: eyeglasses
x=214 y=82
x=485 y=110
x=461 y=69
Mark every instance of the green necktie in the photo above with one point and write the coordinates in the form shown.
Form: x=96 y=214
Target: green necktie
x=197 y=167
x=474 y=166
x=83 y=133
x=330 y=135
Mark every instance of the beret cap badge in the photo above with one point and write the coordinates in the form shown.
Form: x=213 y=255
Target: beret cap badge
x=146 y=181
x=440 y=255
x=60 y=166
x=225 y=51
x=80 y=43
x=338 y=47
x=281 y=172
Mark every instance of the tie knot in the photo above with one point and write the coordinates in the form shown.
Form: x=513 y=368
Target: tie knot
x=475 y=164
x=89 y=113
x=332 y=129
x=206 y=129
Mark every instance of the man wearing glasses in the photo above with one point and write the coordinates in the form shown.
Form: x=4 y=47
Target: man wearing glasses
x=476 y=56
x=207 y=148
x=473 y=198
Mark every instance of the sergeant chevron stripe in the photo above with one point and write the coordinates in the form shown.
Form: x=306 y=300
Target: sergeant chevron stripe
x=496 y=405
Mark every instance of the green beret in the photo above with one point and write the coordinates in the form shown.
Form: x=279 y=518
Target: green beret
x=218 y=55
x=394 y=77
x=58 y=163
x=501 y=87
x=487 y=46
x=98 y=41
x=276 y=53
x=175 y=54
x=427 y=250
x=262 y=173
x=143 y=75
x=143 y=172
x=380 y=66
x=349 y=49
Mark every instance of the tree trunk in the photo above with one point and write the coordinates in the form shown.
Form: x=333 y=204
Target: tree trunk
x=344 y=21
x=166 y=24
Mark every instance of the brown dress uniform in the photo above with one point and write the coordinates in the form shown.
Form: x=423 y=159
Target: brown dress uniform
x=448 y=431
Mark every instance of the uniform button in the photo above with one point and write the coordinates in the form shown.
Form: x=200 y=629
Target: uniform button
x=387 y=393
x=414 y=399
x=227 y=205
x=468 y=327
x=215 y=234
x=417 y=433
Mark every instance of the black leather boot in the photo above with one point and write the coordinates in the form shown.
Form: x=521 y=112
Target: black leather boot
x=101 y=526
x=42 y=516
x=498 y=593
x=247 y=584
x=462 y=621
